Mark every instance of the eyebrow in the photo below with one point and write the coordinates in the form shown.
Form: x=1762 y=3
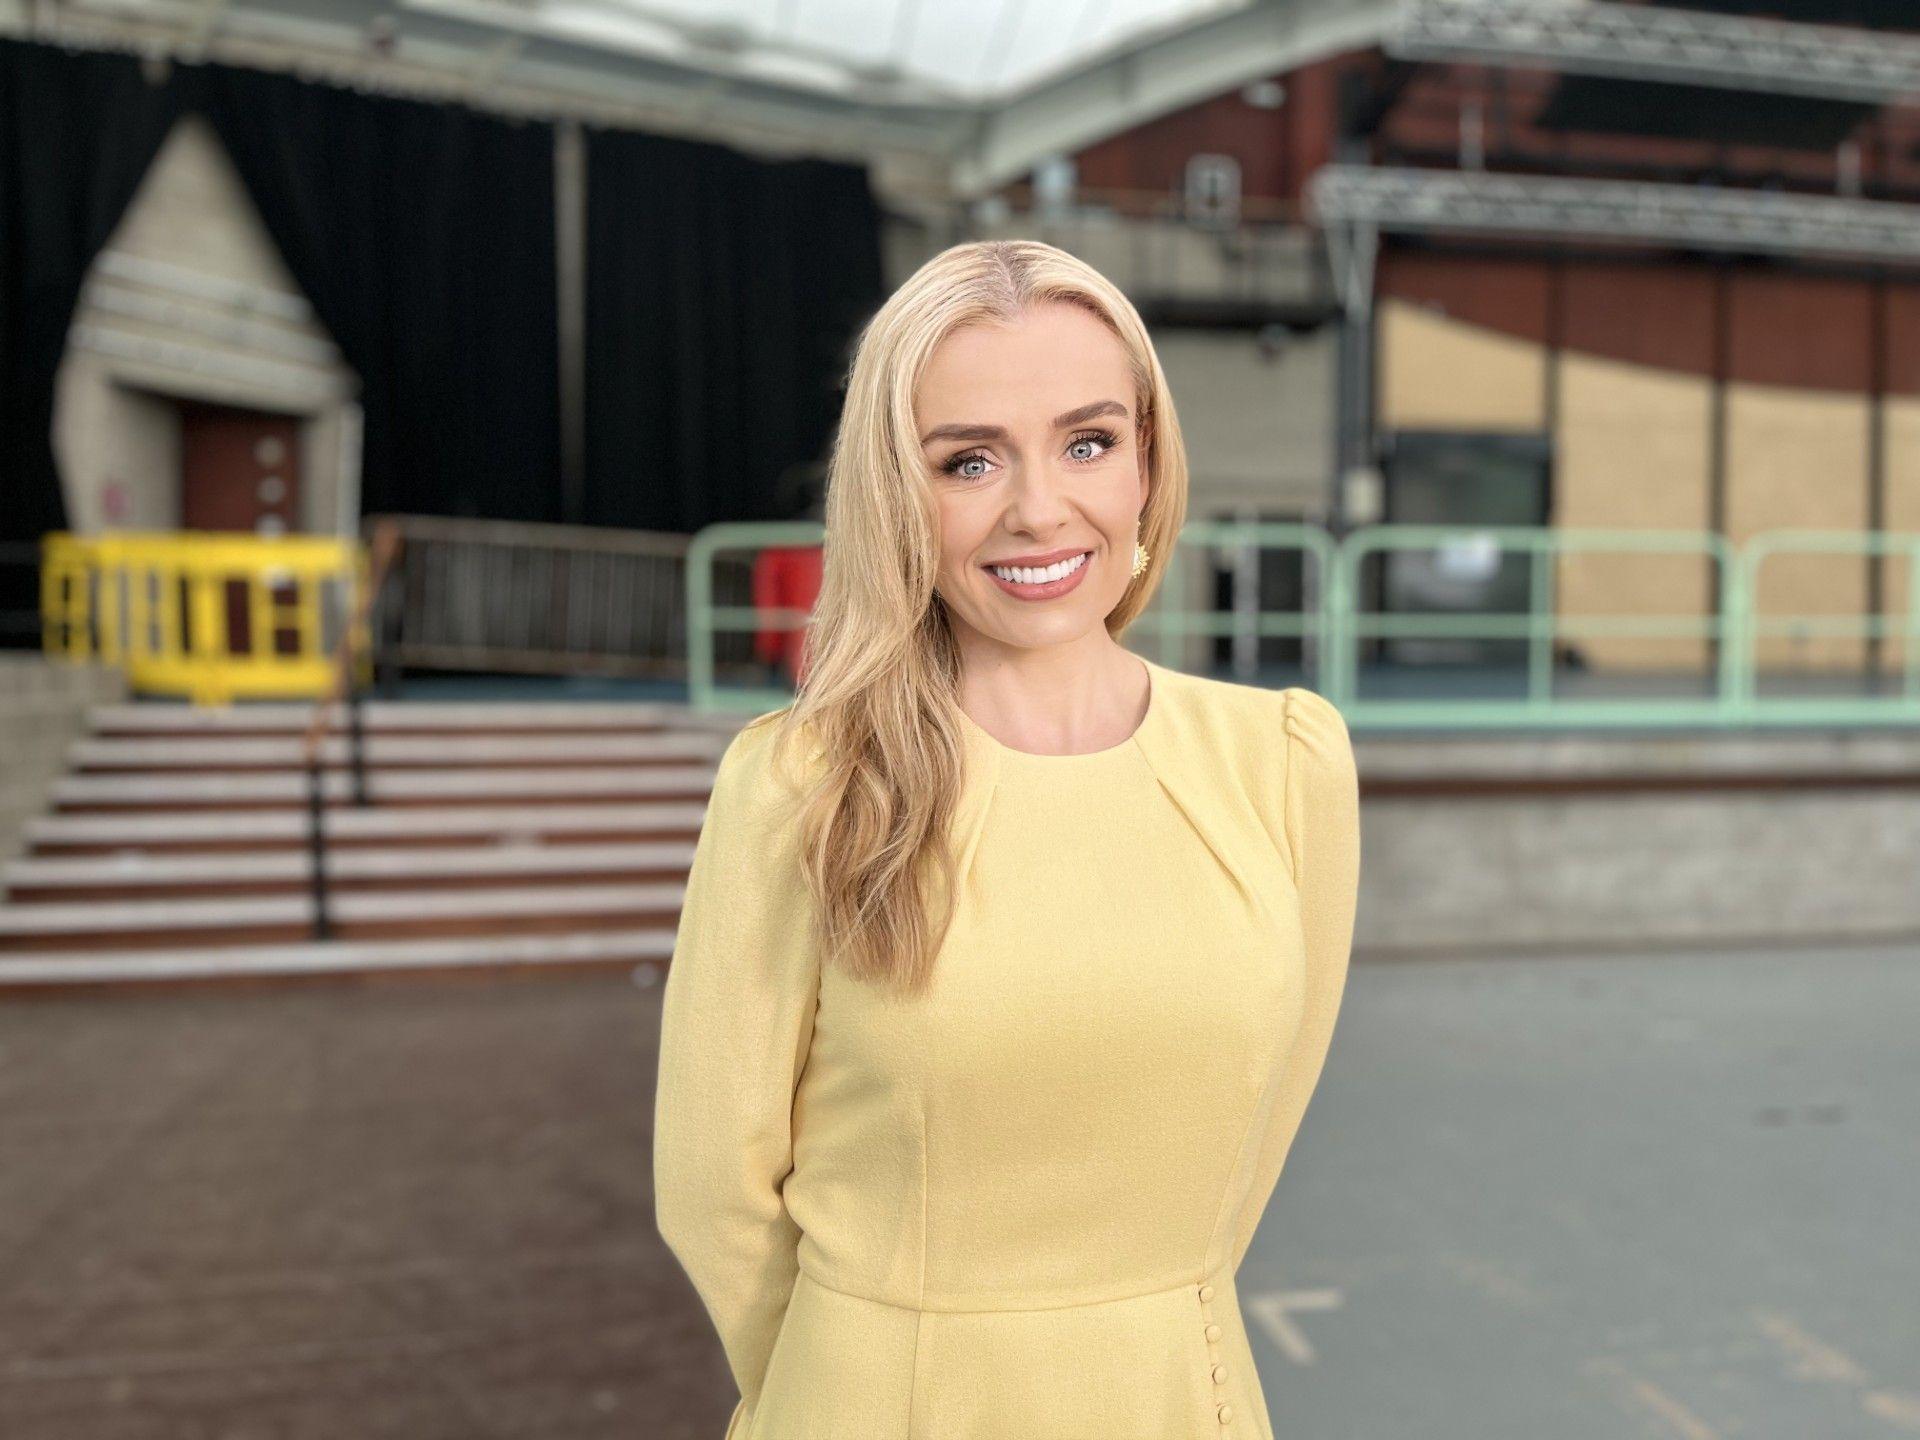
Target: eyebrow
x=995 y=432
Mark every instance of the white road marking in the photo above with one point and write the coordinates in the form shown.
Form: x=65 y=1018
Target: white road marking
x=1270 y=1311
x=1639 y=1395
x=1813 y=1358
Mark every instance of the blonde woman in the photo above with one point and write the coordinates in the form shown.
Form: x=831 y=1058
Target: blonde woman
x=1009 y=959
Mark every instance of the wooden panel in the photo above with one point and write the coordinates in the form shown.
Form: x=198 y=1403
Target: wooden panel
x=1278 y=150
x=1797 y=459
x=1903 y=340
x=1510 y=296
x=1443 y=374
x=1631 y=452
x=1649 y=315
x=1903 y=509
x=1800 y=330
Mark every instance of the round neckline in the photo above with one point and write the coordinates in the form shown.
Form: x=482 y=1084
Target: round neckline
x=1120 y=749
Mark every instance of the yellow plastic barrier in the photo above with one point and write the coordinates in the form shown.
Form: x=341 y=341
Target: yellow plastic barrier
x=209 y=615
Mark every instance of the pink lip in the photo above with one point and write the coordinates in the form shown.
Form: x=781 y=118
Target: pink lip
x=1052 y=588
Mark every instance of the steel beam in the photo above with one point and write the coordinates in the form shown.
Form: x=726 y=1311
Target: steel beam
x=1641 y=42
x=1695 y=216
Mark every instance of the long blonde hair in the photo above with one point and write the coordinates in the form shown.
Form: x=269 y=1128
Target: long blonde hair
x=877 y=701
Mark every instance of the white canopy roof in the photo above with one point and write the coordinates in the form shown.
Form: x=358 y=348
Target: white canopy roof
x=949 y=51
x=982 y=88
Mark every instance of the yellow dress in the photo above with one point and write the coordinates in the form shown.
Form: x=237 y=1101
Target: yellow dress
x=1012 y=1208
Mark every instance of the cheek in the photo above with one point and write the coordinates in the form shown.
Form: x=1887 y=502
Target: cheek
x=962 y=532
x=1117 y=521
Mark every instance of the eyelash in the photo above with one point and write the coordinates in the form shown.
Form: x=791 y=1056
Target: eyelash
x=1106 y=438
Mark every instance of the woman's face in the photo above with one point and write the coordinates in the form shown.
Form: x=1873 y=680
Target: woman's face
x=1029 y=435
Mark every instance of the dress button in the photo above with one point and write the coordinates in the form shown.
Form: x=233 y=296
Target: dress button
x=1225 y=1412
x=1213 y=1332
x=1206 y=1292
x=1219 y=1372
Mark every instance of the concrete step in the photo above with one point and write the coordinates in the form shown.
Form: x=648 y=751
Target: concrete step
x=135 y=875
x=270 y=717
x=398 y=787
x=155 y=924
x=650 y=946
x=350 y=826
x=89 y=755
x=497 y=838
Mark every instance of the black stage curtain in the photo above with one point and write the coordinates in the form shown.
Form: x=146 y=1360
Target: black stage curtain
x=77 y=132
x=722 y=290
x=723 y=293
x=423 y=236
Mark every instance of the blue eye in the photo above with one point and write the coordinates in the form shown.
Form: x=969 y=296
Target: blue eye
x=1106 y=439
x=952 y=467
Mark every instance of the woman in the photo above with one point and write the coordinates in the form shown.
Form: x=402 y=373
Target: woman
x=1008 y=959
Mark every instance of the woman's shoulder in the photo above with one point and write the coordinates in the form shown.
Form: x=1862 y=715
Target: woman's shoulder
x=762 y=771
x=1262 y=714
x=1262 y=739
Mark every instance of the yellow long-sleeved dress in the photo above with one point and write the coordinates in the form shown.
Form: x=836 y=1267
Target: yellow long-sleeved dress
x=1012 y=1208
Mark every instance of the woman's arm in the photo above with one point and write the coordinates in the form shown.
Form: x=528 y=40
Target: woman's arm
x=736 y=1023
x=1320 y=817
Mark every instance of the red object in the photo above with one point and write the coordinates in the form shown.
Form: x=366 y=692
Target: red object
x=787 y=578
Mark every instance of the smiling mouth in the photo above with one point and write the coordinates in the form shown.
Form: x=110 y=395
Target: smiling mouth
x=1040 y=574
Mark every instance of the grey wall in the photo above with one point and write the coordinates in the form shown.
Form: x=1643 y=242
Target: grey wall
x=43 y=706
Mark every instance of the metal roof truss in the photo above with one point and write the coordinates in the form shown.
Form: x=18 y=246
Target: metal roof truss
x=1703 y=217
x=1644 y=42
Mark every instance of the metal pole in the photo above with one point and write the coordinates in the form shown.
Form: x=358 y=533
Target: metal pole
x=356 y=741
x=317 y=847
x=570 y=231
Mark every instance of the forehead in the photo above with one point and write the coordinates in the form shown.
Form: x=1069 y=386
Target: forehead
x=1056 y=356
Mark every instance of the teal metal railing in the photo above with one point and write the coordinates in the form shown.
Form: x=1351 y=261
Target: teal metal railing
x=1337 y=626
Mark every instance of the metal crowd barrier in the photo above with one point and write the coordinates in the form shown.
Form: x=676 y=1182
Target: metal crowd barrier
x=210 y=616
x=1355 y=622
x=533 y=598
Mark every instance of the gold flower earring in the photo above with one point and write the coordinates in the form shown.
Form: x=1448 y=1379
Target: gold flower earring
x=1140 y=558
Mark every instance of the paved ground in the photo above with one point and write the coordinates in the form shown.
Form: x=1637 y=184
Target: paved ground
x=1667 y=1197
x=397 y=1213
x=1674 y=1197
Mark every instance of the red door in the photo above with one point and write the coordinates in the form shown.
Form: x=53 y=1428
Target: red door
x=240 y=470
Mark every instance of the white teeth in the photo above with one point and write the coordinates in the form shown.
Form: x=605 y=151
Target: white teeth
x=1021 y=575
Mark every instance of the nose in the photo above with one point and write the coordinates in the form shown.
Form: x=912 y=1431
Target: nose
x=1036 y=500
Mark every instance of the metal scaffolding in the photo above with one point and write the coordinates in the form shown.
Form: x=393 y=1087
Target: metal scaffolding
x=1642 y=42
x=1696 y=216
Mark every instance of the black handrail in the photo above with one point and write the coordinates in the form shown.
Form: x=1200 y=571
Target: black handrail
x=345 y=684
